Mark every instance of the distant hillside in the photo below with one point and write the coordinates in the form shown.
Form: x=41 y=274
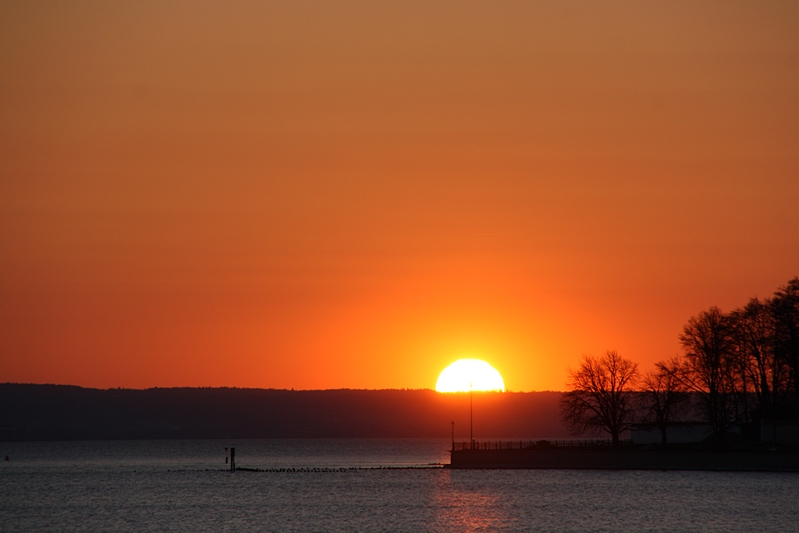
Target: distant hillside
x=61 y=412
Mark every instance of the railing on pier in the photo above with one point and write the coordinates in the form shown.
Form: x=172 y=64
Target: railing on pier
x=535 y=445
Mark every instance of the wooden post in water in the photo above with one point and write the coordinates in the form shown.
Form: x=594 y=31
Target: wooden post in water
x=453 y=435
x=233 y=459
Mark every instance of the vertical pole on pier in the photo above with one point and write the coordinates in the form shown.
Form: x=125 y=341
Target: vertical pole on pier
x=471 y=414
x=453 y=435
x=233 y=459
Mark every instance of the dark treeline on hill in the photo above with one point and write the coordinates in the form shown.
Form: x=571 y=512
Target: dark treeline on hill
x=61 y=412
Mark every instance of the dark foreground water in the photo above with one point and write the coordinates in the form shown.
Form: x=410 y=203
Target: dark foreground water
x=180 y=486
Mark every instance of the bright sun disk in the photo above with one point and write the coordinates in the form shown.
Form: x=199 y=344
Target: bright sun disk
x=466 y=375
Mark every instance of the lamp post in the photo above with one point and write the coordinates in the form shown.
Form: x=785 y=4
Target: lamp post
x=471 y=414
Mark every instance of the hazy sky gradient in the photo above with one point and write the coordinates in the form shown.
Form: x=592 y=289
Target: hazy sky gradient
x=355 y=194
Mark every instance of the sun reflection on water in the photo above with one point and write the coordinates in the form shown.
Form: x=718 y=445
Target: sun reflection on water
x=464 y=505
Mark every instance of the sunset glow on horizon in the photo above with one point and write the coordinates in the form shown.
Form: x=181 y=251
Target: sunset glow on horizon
x=354 y=194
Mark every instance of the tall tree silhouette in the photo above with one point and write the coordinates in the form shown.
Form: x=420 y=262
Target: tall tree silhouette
x=785 y=307
x=759 y=365
x=664 y=399
x=708 y=366
x=598 y=398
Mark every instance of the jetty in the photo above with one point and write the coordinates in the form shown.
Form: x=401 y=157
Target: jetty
x=602 y=455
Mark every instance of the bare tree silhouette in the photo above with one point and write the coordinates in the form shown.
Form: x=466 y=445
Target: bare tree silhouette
x=598 y=398
x=664 y=399
x=759 y=368
x=785 y=307
x=708 y=367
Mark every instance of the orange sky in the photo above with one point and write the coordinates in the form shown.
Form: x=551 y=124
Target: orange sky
x=355 y=194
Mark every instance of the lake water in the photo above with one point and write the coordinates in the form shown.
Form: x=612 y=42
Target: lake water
x=182 y=486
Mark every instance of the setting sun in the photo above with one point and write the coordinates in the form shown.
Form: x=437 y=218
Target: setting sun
x=466 y=375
